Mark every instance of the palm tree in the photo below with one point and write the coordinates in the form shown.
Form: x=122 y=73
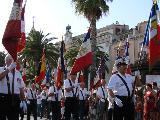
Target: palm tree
x=35 y=43
x=93 y=11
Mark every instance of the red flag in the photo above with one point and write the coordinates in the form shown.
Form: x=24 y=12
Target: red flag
x=22 y=40
x=42 y=73
x=61 y=66
x=84 y=57
x=13 y=30
x=59 y=77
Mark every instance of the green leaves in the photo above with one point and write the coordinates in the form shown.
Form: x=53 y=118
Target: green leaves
x=91 y=8
x=36 y=41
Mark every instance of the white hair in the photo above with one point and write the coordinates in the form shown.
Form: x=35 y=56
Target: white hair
x=8 y=56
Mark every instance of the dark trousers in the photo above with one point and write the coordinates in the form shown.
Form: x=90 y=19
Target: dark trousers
x=126 y=112
x=32 y=108
x=44 y=103
x=101 y=109
x=110 y=114
x=21 y=112
x=8 y=110
x=82 y=109
x=38 y=110
x=71 y=107
x=48 y=104
x=56 y=110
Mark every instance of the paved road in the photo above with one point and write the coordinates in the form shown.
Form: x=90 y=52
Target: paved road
x=25 y=118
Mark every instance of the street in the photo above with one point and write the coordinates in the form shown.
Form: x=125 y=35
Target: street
x=38 y=118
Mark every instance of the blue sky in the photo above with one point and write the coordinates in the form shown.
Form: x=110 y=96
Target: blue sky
x=53 y=16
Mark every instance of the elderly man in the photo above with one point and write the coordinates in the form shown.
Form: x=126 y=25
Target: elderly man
x=31 y=97
x=102 y=96
x=120 y=88
x=82 y=100
x=71 y=97
x=56 y=94
x=11 y=89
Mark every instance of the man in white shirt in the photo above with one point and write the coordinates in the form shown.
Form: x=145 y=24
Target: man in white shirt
x=44 y=100
x=82 y=100
x=101 y=94
x=11 y=89
x=39 y=102
x=120 y=88
x=31 y=97
x=71 y=97
x=56 y=95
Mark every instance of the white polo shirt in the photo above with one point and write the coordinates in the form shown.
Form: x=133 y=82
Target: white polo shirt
x=100 y=93
x=118 y=87
x=82 y=94
x=29 y=94
x=70 y=93
x=58 y=92
x=18 y=82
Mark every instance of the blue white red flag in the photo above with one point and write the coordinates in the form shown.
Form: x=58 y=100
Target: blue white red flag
x=152 y=37
x=85 y=57
x=154 y=43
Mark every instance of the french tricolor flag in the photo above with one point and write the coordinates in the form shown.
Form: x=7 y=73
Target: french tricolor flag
x=84 y=57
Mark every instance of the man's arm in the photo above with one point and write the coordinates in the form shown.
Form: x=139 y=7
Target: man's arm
x=51 y=94
x=3 y=74
x=10 y=68
x=110 y=92
x=67 y=86
x=69 y=89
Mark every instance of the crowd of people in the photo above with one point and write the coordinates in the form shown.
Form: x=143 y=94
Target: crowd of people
x=120 y=99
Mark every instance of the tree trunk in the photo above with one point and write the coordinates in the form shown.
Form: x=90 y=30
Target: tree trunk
x=93 y=47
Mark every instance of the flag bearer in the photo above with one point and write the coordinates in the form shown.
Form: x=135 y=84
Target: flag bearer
x=11 y=90
x=31 y=97
x=120 y=88
x=44 y=101
x=56 y=95
x=102 y=96
x=82 y=100
x=71 y=97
